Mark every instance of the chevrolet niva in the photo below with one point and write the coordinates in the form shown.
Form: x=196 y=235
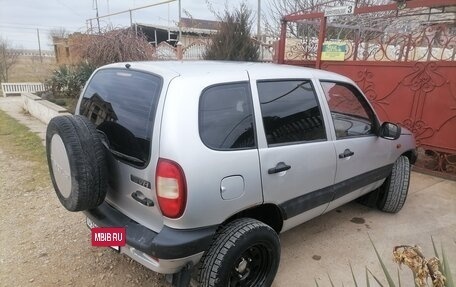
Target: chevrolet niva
x=205 y=163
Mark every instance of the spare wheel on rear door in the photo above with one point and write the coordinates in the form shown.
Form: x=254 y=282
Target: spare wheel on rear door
x=77 y=162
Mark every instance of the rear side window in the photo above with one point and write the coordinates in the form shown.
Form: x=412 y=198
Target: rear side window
x=225 y=117
x=290 y=112
x=122 y=104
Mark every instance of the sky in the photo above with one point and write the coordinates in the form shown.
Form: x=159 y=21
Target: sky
x=20 y=19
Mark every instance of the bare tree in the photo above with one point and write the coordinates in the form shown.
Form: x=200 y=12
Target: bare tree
x=8 y=58
x=59 y=32
x=337 y=27
x=112 y=45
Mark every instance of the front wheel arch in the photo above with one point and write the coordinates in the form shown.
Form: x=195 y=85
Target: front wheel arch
x=394 y=191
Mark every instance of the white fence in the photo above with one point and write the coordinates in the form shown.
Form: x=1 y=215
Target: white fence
x=31 y=53
x=18 y=88
x=196 y=50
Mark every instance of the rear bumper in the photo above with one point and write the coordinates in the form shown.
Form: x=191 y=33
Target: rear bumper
x=169 y=245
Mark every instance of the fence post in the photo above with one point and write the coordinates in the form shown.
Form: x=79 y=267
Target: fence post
x=282 y=39
x=179 y=51
x=321 y=39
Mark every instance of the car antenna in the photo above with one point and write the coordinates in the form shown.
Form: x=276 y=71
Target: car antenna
x=127 y=66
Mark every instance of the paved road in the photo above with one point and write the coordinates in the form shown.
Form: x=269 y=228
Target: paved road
x=319 y=247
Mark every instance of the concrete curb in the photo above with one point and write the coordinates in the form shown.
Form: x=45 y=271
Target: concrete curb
x=41 y=109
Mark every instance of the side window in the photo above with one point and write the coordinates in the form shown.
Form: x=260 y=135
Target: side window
x=350 y=112
x=290 y=111
x=226 y=118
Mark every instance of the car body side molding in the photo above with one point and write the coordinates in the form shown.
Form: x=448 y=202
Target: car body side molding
x=324 y=195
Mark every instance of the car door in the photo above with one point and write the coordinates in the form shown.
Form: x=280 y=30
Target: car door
x=297 y=160
x=363 y=158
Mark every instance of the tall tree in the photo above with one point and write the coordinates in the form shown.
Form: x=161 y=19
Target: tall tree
x=233 y=41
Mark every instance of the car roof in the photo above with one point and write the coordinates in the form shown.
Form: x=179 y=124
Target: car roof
x=201 y=68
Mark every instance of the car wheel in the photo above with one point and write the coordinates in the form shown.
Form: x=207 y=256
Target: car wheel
x=393 y=192
x=245 y=252
x=77 y=162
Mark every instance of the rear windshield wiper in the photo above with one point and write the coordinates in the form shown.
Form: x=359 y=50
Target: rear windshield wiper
x=105 y=142
x=127 y=157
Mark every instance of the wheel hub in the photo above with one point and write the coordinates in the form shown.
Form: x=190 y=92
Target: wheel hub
x=242 y=266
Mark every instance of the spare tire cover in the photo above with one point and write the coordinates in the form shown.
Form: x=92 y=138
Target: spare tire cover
x=77 y=162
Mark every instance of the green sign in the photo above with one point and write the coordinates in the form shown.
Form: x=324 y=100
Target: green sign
x=333 y=51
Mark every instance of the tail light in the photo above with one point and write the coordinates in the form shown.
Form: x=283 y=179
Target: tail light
x=171 y=188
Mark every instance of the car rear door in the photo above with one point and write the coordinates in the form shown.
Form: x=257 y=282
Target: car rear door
x=363 y=158
x=297 y=160
x=123 y=103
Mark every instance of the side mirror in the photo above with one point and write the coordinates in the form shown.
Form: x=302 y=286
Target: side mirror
x=390 y=131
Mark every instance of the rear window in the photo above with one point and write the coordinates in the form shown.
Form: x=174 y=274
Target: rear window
x=122 y=104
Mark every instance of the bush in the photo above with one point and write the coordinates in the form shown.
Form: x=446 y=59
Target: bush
x=68 y=80
x=93 y=51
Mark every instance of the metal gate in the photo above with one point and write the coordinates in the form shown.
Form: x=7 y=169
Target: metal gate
x=403 y=57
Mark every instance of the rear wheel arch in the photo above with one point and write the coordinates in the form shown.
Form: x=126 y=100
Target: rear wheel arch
x=244 y=252
x=268 y=213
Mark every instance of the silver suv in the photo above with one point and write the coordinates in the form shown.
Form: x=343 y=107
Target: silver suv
x=205 y=163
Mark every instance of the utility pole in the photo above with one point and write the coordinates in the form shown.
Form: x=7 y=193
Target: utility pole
x=180 y=29
x=131 y=19
x=107 y=5
x=259 y=20
x=259 y=29
x=98 y=19
x=39 y=44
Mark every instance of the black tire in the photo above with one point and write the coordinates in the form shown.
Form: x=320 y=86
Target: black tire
x=245 y=252
x=393 y=192
x=73 y=140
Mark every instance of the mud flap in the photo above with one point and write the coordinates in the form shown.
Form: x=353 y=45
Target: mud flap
x=181 y=278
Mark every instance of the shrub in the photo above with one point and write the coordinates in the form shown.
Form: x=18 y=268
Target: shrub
x=68 y=80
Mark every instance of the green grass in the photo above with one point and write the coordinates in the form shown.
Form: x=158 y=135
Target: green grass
x=18 y=141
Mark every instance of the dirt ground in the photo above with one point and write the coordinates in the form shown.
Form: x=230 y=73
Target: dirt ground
x=41 y=244
x=31 y=69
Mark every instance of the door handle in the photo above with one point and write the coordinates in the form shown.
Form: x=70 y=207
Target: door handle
x=346 y=153
x=281 y=166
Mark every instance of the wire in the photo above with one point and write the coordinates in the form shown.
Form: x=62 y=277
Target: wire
x=33 y=26
x=23 y=28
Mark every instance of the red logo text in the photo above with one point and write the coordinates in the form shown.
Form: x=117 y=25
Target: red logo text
x=108 y=236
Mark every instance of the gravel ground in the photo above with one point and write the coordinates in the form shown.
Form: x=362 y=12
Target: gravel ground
x=42 y=244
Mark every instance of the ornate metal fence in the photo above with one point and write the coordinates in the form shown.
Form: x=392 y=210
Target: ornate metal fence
x=404 y=63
